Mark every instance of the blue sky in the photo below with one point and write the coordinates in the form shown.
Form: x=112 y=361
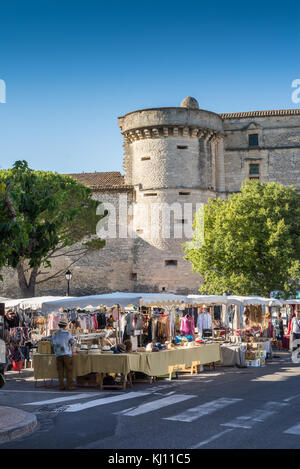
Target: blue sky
x=71 y=68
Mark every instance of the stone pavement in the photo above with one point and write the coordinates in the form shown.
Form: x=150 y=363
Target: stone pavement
x=15 y=423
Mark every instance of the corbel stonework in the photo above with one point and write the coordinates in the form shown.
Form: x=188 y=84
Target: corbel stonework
x=155 y=132
x=208 y=135
x=185 y=132
x=165 y=132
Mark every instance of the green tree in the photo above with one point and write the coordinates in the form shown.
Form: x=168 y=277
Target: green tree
x=251 y=242
x=44 y=215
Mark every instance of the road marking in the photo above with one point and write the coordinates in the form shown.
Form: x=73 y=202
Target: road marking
x=291 y=398
x=36 y=391
x=205 y=409
x=256 y=416
x=104 y=401
x=158 y=404
x=295 y=430
x=164 y=394
x=205 y=442
x=63 y=399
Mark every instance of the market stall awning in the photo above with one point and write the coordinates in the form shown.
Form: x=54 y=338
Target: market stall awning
x=253 y=300
x=35 y=303
x=207 y=299
x=234 y=300
x=292 y=302
x=162 y=299
x=109 y=299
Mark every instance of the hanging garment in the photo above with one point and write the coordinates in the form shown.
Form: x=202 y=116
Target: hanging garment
x=172 y=323
x=74 y=315
x=18 y=335
x=101 y=319
x=204 y=321
x=139 y=322
x=163 y=332
x=95 y=321
x=129 y=329
x=177 y=322
x=122 y=322
x=150 y=337
x=187 y=326
x=15 y=354
x=11 y=320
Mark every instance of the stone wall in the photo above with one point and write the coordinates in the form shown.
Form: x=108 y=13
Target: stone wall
x=278 y=152
x=108 y=269
x=161 y=234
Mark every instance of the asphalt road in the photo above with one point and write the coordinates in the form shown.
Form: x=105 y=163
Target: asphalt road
x=226 y=408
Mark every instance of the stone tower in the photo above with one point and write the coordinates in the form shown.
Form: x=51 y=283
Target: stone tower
x=174 y=159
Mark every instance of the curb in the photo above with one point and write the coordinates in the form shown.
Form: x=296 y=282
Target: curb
x=17 y=431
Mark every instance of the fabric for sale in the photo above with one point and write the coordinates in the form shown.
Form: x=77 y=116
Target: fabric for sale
x=152 y=364
x=204 y=321
x=233 y=355
x=187 y=326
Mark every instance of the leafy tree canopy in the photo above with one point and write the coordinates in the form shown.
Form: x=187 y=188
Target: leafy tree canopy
x=41 y=215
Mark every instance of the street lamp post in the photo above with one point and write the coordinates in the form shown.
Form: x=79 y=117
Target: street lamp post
x=68 y=278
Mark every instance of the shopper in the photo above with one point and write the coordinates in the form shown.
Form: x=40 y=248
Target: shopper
x=296 y=331
x=62 y=341
x=279 y=331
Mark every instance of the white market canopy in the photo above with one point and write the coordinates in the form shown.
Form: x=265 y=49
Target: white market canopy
x=292 y=302
x=208 y=299
x=3 y=300
x=254 y=300
x=234 y=300
x=35 y=303
x=117 y=298
x=162 y=299
x=82 y=302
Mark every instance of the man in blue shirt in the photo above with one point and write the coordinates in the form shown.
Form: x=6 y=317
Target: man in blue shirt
x=62 y=341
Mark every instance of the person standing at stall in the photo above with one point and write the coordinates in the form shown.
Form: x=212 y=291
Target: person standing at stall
x=279 y=331
x=296 y=331
x=62 y=341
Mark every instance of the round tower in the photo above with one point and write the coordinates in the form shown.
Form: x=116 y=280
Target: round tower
x=173 y=157
x=172 y=147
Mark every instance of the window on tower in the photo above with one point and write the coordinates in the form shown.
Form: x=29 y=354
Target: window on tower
x=170 y=262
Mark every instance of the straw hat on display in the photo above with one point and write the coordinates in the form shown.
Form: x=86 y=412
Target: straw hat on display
x=63 y=322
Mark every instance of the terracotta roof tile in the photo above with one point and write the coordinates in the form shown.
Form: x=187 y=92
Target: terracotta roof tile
x=103 y=180
x=278 y=112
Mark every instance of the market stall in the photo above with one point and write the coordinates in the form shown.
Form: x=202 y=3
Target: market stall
x=151 y=323
x=251 y=327
x=150 y=363
x=292 y=306
x=23 y=325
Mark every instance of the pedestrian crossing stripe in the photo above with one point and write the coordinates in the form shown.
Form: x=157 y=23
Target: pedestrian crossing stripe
x=106 y=400
x=157 y=404
x=63 y=399
x=194 y=413
x=255 y=416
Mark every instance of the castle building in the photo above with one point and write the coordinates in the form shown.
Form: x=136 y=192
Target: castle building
x=175 y=159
